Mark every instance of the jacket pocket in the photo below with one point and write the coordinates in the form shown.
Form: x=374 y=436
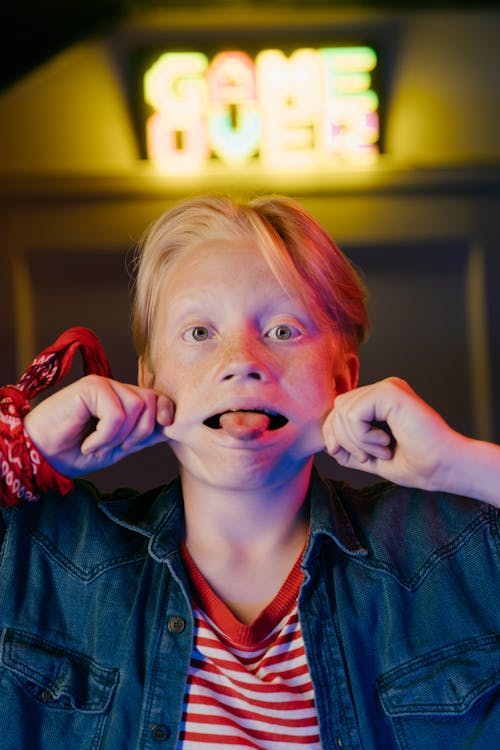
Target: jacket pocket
x=448 y=698
x=52 y=697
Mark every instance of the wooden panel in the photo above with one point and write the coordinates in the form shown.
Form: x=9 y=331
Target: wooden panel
x=7 y=368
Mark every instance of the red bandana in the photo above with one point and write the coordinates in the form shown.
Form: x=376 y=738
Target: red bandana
x=24 y=473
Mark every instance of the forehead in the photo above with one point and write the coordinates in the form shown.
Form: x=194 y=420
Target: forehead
x=225 y=263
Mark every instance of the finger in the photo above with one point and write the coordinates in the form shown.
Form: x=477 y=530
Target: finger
x=150 y=427
x=153 y=438
x=343 y=452
x=347 y=460
x=384 y=452
x=372 y=465
x=118 y=409
x=379 y=442
x=143 y=430
x=348 y=434
x=165 y=410
x=329 y=438
x=383 y=434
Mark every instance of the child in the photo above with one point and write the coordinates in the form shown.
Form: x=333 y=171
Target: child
x=251 y=604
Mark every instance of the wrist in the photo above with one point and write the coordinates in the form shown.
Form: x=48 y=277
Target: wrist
x=471 y=468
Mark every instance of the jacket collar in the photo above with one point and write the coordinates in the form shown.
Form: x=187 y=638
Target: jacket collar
x=158 y=514
x=328 y=517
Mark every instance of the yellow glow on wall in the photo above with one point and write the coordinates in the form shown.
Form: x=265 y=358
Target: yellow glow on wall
x=313 y=109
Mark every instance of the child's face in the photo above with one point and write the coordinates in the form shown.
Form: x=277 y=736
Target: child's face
x=230 y=341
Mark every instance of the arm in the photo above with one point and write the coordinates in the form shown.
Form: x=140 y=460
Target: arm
x=421 y=450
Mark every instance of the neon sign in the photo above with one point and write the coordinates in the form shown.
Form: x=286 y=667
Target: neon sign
x=313 y=109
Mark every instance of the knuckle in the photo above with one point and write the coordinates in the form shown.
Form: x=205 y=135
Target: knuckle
x=93 y=379
x=397 y=382
x=135 y=405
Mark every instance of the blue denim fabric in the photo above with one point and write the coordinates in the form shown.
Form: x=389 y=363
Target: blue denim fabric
x=399 y=610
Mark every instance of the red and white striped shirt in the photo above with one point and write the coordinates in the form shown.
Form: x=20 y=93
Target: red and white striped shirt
x=248 y=685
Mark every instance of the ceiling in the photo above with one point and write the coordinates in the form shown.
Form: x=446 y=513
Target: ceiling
x=33 y=31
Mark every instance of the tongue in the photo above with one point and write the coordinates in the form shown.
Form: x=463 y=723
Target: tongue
x=245 y=425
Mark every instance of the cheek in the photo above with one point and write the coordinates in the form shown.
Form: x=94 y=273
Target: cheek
x=321 y=365
x=184 y=378
x=314 y=378
x=325 y=387
x=169 y=372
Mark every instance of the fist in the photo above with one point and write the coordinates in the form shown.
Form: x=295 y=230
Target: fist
x=95 y=422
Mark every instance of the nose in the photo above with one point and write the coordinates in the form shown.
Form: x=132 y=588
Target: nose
x=245 y=360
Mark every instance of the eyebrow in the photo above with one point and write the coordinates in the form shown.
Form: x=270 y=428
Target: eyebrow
x=186 y=304
x=197 y=303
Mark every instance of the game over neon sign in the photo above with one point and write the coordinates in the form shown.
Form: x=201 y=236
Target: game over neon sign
x=313 y=109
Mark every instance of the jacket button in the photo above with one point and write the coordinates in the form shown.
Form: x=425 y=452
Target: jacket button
x=176 y=624
x=160 y=732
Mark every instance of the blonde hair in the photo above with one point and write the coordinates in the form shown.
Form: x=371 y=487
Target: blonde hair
x=298 y=250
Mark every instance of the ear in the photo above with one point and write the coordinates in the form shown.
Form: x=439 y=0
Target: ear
x=145 y=376
x=346 y=377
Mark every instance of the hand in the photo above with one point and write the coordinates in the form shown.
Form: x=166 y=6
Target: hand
x=95 y=422
x=385 y=428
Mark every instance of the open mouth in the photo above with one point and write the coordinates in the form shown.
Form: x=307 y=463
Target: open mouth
x=276 y=420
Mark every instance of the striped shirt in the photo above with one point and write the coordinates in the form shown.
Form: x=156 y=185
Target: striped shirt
x=248 y=685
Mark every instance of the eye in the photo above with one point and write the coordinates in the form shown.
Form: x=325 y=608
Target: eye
x=196 y=333
x=283 y=332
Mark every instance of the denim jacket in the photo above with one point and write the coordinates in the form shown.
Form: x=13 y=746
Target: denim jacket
x=399 y=611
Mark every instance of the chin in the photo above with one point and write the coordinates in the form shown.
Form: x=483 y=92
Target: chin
x=240 y=471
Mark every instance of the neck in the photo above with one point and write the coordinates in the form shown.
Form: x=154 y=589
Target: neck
x=245 y=520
